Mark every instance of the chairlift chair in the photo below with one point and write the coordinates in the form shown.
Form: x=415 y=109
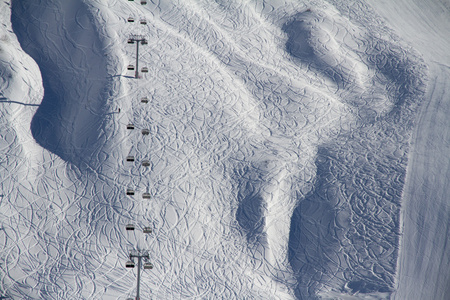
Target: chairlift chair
x=146 y=195
x=146 y=163
x=129 y=227
x=130 y=41
x=143 y=2
x=147 y=230
x=130 y=158
x=130 y=19
x=148 y=266
x=130 y=192
x=130 y=67
x=129 y=264
x=144 y=42
x=143 y=21
x=130 y=126
x=144 y=70
x=145 y=132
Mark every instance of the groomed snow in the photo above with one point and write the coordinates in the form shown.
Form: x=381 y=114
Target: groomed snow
x=285 y=147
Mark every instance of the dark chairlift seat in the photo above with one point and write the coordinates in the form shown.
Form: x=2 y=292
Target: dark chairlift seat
x=129 y=227
x=130 y=126
x=130 y=67
x=144 y=70
x=148 y=266
x=144 y=42
x=145 y=132
x=130 y=41
x=144 y=100
x=143 y=2
x=130 y=158
x=143 y=21
x=130 y=192
x=146 y=195
x=147 y=230
x=129 y=264
x=146 y=163
x=130 y=19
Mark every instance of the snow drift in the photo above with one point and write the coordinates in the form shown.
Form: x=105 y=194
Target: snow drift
x=277 y=137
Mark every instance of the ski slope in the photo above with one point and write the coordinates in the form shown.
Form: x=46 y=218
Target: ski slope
x=425 y=256
x=287 y=148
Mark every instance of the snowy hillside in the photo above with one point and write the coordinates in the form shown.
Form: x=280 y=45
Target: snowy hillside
x=279 y=149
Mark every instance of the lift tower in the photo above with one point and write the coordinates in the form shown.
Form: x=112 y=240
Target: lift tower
x=139 y=254
x=137 y=39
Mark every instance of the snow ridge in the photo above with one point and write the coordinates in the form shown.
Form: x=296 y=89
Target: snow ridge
x=275 y=140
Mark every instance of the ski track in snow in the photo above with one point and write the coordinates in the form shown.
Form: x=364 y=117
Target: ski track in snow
x=277 y=143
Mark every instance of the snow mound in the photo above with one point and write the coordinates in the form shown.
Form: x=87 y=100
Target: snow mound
x=344 y=233
x=71 y=56
x=271 y=149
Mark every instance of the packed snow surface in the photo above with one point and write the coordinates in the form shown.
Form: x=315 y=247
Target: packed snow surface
x=280 y=149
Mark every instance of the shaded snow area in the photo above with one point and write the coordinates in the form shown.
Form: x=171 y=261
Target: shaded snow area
x=279 y=149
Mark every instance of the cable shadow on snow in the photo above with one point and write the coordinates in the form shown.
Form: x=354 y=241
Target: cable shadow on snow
x=120 y=75
x=4 y=100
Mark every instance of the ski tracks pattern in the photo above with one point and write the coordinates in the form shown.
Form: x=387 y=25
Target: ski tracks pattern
x=274 y=153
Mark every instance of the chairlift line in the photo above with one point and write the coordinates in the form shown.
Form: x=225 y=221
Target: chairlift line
x=138 y=39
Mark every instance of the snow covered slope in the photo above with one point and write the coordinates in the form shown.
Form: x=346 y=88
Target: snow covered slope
x=424 y=262
x=275 y=147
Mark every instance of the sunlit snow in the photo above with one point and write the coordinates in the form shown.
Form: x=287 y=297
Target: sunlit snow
x=278 y=149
